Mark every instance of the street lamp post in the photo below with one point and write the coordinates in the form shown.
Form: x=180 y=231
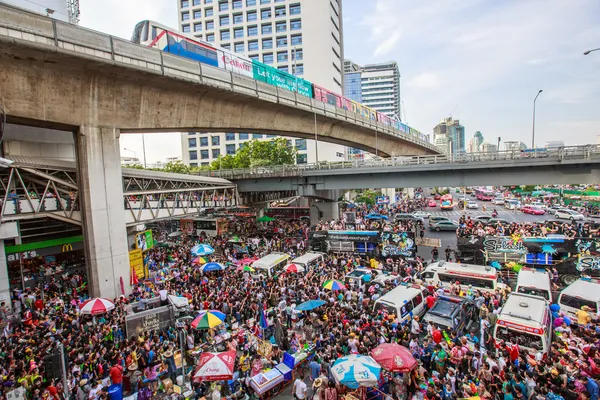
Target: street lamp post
x=589 y=51
x=533 y=127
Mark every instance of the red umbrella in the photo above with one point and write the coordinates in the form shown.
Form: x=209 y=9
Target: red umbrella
x=393 y=357
x=293 y=268
x=215 y=366
x=97 y=306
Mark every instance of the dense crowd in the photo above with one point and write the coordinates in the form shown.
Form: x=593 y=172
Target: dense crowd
x=99 y=353
x=470 y=227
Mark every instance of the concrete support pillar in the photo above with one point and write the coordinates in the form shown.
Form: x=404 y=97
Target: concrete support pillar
x=4 y=285
x=324 y=211
x=101 y=194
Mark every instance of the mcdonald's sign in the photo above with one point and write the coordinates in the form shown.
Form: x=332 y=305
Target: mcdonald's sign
x=67 y=247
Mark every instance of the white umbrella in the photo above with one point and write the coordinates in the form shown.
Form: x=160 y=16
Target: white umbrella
x=215 y=366
x=97 y=306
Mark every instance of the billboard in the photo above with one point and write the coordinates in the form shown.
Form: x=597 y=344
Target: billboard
x=149 y=320
x=136 y=263
x=144 y=240
x=383 y=199
x=236 y=64
x=272 y=76
x=186 y=226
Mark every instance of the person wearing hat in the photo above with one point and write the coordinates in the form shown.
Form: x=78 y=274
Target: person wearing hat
x=318 y=389
x=169 y=359
x=83 y=390
x=215 y=392
x=135 y=376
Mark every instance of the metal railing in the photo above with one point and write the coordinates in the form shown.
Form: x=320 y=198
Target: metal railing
x=44 y=33
x=583 y=152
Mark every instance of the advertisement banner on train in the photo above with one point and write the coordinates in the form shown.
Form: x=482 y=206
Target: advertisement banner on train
x=264 y=73
x=398 y=244
x=235 y=64
x=552 y=245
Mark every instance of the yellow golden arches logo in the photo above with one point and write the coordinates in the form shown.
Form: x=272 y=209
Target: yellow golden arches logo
x=67 y=247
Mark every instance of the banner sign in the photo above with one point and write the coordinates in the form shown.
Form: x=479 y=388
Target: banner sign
x=353 y=236
x=149 y=320
x=500 y=244
x=398 y=244
x=382 y=200
x=186 y=226
x=46 y=251
x=136 y=262
x=144 y=240
x=588 y=263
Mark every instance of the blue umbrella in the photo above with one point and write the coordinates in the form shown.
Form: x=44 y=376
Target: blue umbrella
x=310 y=305
x=356 y=370
x=202 y=250
x=212 y=266
x=376 y=216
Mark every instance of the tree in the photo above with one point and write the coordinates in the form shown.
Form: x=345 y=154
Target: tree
x=176 y=167
x=367 y=197
x=258 y=153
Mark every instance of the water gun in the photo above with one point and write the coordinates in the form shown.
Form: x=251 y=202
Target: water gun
x=446 y=337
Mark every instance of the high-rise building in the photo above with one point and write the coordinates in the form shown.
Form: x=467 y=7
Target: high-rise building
x=380 y=85
x=376 y=86
x=475 y=143
x=454 y=131
x=302 y=37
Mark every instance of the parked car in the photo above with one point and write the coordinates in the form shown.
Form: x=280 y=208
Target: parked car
x=482 y=218
x=437 y=197
x=434 y=219
x=444 y=226
x=454 y=313
x=533 y=210
x=421 y=214
x=498 y=201
x=407 y=217
x=472 y=205
x=564 y=213
x=432 y=203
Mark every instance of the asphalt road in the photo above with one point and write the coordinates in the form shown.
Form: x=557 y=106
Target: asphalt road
x=449 y=237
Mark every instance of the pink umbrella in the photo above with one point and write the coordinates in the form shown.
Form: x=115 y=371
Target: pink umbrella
x=245 y=261
x=290 y=268
x=215 y=366
x=393 y=357
x=97 y=306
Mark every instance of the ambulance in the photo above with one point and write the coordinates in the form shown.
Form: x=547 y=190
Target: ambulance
x=527 y=319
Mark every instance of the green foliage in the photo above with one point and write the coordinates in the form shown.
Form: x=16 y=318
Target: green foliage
x=258 y=153
x=367 y=197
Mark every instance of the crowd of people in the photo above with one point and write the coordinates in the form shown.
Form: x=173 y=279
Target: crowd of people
x=99 y=353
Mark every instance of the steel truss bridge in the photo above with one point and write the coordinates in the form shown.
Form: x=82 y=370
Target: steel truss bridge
x=39 y=188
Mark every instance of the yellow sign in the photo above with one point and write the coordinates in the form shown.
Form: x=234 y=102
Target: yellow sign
x=136 y=262
x=67 y=247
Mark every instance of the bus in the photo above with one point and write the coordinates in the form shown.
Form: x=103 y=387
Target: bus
x=241 y=211
x=446 y=202
x=210 y=226
x=484 y=194
x=288 y=212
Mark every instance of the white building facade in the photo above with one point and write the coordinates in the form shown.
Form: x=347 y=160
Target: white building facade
x=302 y=37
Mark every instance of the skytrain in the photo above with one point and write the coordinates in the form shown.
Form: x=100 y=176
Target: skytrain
x=152 y=34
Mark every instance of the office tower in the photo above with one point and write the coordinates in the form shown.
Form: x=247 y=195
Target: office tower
x=376 y=86
x=454 y=132
x=302 y=37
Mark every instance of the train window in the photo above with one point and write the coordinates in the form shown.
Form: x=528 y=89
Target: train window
x=145 y=32
x=137 y=32
x=153 y=32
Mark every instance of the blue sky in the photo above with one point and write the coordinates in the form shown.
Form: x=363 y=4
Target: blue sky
x=481 y=61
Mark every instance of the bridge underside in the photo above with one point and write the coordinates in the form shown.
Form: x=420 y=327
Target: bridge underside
x=437 y=175
x=52 y=87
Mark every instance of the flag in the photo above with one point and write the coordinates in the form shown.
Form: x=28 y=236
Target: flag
x=134 y=277
x=263 y=318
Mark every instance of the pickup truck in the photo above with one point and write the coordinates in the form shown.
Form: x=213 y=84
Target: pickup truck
x=453 y=313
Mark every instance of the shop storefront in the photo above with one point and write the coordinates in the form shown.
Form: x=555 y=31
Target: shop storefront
x=53 y=261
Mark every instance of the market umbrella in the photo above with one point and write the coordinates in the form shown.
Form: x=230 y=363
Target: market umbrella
x=265 y=218
x=97 y=306
x=202 y=250
x=198 y=261
x=393 y=357
x=245 y=268
x=293 y=268
x=212 y=266
x=246 y=261
x=376 y=216
x=215 y=366
x=356 y=370
x=310 y=305
x=208 y=319
x=334 y=285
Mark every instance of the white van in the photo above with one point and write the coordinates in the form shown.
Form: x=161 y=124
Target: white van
x=309 y=259
x=481 y=277
x=535 y=282
x=528 y=319
x=583 y=292
x=271 y=263
x=403 y=301
x=512 y=204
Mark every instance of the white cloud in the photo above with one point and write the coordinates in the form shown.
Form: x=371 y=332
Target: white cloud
x=425 y=80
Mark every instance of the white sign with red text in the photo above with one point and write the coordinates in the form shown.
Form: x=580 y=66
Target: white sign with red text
x=236 y=64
